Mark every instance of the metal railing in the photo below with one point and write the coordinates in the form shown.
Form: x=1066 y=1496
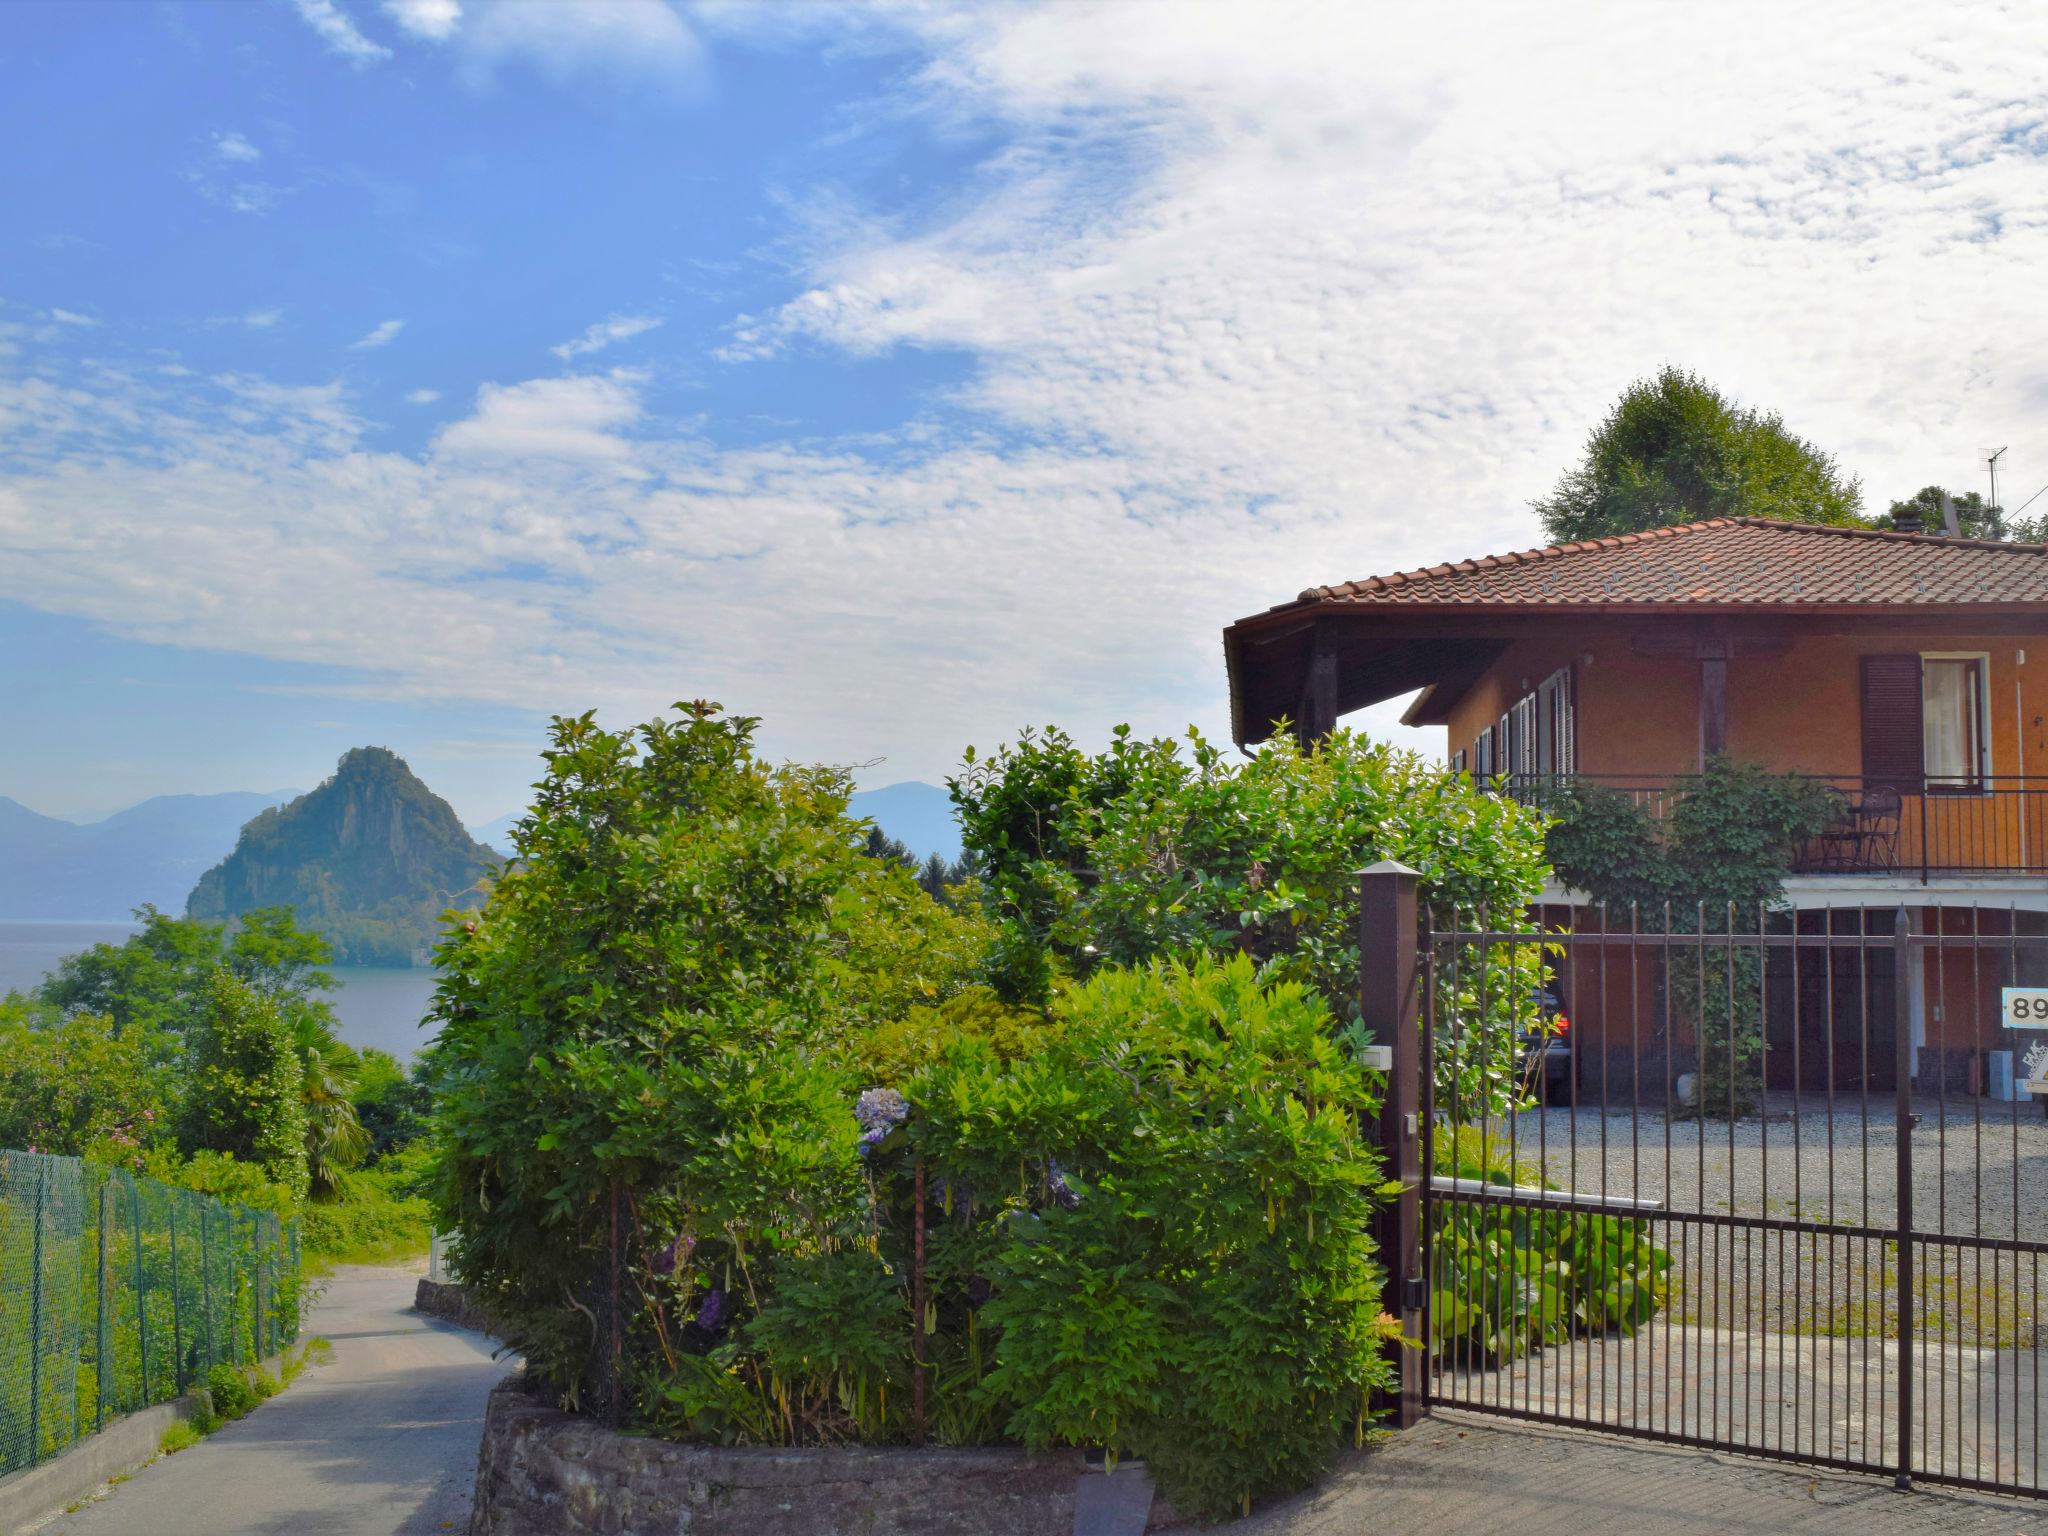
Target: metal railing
x=117 y=1292
x=1920 y=828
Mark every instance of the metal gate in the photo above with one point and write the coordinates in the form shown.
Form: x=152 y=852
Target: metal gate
x=1768 y=1205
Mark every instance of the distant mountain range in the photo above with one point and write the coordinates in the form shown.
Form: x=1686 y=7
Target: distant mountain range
x=370 y=859
x=57 y=871
x=155 y=852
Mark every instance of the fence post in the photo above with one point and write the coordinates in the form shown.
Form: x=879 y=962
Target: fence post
x=141 y=1294
x=103 y=1332
x=1902 y=1139
x=1389 y=972
x=177 y=1321
x=35 y=1319
x=206 y=1291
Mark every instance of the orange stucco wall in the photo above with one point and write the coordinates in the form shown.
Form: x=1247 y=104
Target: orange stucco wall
x=1798 y=711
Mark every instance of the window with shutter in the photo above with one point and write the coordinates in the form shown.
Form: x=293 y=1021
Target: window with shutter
x=1892 y=728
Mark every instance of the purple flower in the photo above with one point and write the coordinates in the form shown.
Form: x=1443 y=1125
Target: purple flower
x=880 y=1108
x=1063 y=1194
x=871 y=1139
x=712 y=1311
x=664 y=1262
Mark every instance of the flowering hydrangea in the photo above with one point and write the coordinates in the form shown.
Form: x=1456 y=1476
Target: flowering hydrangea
x=1063 y=1194
x=880 y=1107
x=679 y=1248
x=711 y=1313
x=879 y=1111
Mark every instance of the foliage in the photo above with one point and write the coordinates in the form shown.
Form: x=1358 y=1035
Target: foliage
x=1716 y=862
x=1180 y=1193
x=392 y=1104
x=1485 y=1005
x=642 y=1026
x=229 y=1389
x=245 y=1083
x=1975 y=518
x=892 y=1053
x=1509 y=1279
x=369 y=860
x=383 y=1213
x=1162 y=848
x=1676 y=450
x=152 y=983
x=79 y=1086
x=180 y=1435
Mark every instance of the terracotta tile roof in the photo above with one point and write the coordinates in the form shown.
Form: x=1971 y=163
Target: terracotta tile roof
x=1736 y=562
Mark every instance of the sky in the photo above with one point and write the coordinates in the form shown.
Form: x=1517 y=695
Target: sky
x=408 y=371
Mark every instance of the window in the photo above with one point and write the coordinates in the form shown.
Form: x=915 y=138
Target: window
x=1954 y=751
x=1925 y=721
x=1482 y=756
x=1458 y=761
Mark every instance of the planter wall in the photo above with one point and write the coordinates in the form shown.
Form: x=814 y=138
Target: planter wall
x=542 y=1472
x=451 y=1304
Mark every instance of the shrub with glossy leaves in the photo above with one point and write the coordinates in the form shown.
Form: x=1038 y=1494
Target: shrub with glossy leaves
x=1173 y=1197
x=642 y=1028
x=1162 y=847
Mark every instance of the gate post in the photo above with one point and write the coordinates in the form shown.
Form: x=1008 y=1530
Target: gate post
x=1389 y=1001
x=1904 y=957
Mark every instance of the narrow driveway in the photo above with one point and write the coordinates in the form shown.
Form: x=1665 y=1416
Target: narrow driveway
x=380 y=1441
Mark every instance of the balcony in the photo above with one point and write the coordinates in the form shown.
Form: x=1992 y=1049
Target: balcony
x=1986 y=826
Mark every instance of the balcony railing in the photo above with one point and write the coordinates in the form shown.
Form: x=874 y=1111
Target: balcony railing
x=1985 y=826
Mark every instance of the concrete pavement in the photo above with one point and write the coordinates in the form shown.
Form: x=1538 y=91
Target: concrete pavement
x=1455 y=1473
x=381 y=1441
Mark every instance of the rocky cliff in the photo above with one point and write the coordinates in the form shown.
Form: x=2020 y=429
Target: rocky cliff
x=370 y=859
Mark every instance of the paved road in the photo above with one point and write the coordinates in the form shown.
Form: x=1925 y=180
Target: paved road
x=1459 y=1473
x=381 y=1441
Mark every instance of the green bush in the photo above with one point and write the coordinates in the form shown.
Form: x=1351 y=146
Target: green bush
x=230 y=1391
x=262 y=1384
x=891 y=1053
x=1177 y=1194
x=1509 y=1279
x=1158 y=848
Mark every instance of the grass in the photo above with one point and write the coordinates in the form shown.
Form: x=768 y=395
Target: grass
x=181 y=1436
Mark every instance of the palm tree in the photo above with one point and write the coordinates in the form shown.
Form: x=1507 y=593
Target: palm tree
x=335 y=1138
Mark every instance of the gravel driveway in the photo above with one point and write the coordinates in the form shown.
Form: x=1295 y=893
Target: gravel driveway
x=1979 y=1169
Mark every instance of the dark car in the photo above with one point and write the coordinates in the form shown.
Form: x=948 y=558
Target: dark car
x=1546 y=1054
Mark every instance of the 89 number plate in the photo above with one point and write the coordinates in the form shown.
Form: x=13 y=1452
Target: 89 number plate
x=2026 y=1007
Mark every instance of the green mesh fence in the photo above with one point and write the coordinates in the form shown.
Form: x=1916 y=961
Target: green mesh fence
x=117 y=1292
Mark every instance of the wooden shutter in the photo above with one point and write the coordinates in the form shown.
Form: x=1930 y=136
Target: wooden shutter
x=1891 y=720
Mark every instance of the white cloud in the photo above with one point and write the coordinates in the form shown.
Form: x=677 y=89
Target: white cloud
x=262 y=319
x=72 y=317
x=604 y=333
x=1271 y=297
x=434 y=20
x=339 y=32
x=617 y=39
x=567 y=419
x=422 y=396
x=378 y=336
x=232 y=146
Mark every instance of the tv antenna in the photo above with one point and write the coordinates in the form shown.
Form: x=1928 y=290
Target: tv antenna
x=1992 y=464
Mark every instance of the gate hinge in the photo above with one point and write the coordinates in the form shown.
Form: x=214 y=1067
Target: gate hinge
x=1412 y=1294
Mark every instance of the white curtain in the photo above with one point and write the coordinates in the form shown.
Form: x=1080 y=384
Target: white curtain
x=1951 y=721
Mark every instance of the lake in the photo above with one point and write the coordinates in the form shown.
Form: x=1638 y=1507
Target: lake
x=373 y=1005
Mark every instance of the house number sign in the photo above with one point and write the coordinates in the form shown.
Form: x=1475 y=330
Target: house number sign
x=2026 y=1008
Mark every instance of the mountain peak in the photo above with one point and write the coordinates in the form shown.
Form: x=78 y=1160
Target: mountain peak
x=370 y=858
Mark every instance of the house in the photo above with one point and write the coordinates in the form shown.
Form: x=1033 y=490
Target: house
x=1909 y=670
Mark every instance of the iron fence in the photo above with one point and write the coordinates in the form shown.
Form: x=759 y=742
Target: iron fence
x=1759 y=1210
x=117 y=1292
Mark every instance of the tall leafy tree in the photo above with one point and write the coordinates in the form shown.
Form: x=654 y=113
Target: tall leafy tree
x=245 y=1083
x=1975 y=518
x=1676 y=450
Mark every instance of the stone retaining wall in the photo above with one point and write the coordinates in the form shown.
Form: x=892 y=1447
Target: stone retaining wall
x=542 y=1472
x=451 y=1304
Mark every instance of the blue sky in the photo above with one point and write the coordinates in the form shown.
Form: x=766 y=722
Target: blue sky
x=406 y=370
